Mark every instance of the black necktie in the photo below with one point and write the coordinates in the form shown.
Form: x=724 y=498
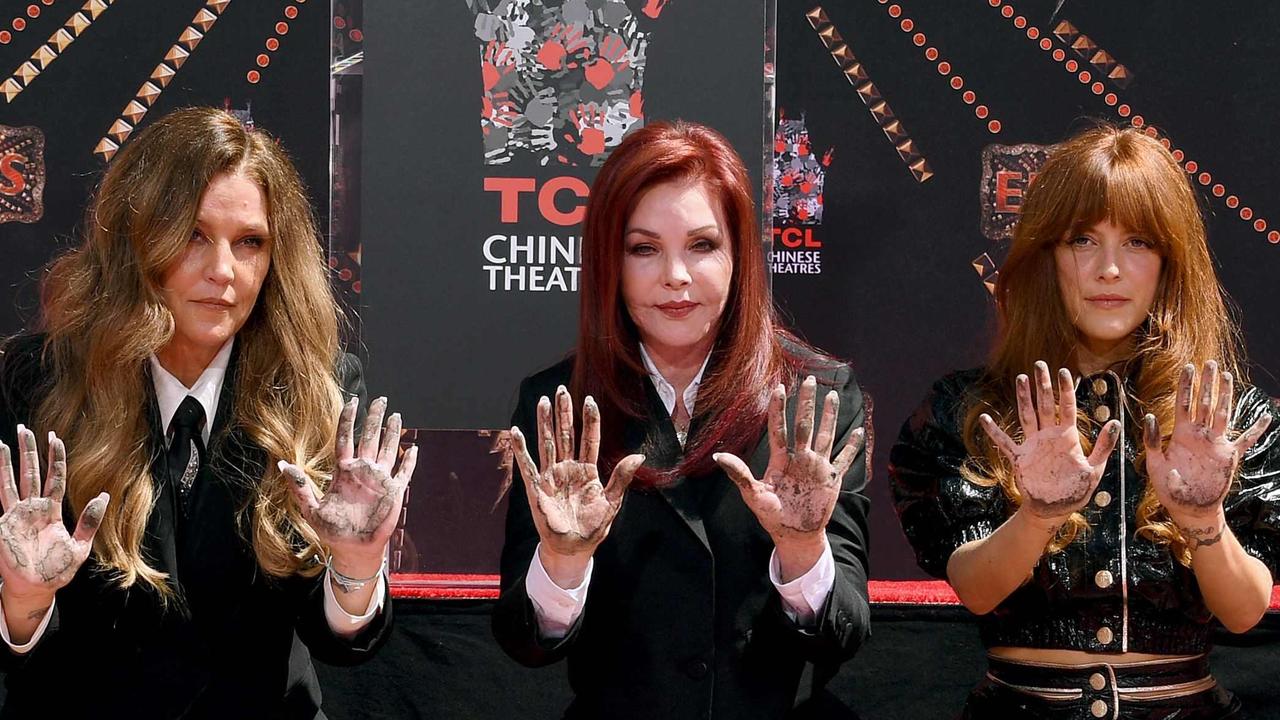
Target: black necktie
x=186 y=449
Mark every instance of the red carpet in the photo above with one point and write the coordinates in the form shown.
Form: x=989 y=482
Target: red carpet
x=457 y=586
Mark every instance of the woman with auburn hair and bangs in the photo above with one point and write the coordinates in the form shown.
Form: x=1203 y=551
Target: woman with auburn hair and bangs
x=1101 y=519
x=201 y=425
x=740 y=553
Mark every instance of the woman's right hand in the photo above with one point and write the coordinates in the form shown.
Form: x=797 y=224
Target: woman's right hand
x=571 y=509
x=1050 y=468
x=37 y=555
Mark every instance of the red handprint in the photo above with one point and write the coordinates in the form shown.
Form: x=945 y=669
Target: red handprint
x=565 y=40
x=589 y=122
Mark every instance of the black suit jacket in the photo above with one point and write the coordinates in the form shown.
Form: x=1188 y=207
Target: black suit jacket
x=240 y=642
x=681 y=620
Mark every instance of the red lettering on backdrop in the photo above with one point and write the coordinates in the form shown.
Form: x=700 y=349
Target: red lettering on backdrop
x=547 y=200
x=794 y=237
x=1009 y=185
x=510 y=190
x=11 y=181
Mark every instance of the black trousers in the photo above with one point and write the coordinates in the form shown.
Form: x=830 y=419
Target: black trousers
x=1168 y=690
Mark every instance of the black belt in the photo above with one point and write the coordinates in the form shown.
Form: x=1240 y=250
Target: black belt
x=1104 y=686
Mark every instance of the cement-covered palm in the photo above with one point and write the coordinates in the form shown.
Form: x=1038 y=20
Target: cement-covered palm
x=37 y=554
x=798 y=492
x=1050 y=468
x=1193 y=474
x=360 y=509
x=571 y=509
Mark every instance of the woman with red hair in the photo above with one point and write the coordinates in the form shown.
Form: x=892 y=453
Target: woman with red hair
x=687 y=382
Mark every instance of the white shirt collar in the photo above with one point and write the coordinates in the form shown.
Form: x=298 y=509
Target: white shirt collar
x=170 y=392
x=665 y=390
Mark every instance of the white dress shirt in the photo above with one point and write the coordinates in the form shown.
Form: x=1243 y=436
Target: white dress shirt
x=170 y=392
x=556 y=608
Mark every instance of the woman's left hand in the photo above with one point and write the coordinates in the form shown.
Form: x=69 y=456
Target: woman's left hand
x=357 y=514
x=800 y=487
x=1192 y=476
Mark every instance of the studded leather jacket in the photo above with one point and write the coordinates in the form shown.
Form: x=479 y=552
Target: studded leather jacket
x=1110 y=590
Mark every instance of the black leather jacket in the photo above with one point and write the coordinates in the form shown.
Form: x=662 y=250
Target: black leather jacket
x=1109 y=590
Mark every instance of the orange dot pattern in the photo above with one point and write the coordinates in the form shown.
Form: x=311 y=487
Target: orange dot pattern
x=1111 y=70
x=857 y=75
x=19 y=23
x=945 y=69
x=206 y=17
x=272 y=44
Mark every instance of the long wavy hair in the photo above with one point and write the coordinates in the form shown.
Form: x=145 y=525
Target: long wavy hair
x=102 y=311
x=752 y=351
x=1129 y=179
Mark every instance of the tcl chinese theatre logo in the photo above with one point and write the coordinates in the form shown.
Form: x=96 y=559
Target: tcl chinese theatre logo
x=22 y=174
x=799 y=180
x=563 y=85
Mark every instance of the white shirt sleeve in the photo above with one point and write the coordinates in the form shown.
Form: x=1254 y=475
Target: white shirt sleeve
x=555 y=608
x=35 y=636
x=803 y=598
x=343 y=623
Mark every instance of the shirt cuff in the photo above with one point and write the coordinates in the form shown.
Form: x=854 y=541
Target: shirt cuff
x=555 y=608
x=35 y=636
x=803 y=598
x=343 y=623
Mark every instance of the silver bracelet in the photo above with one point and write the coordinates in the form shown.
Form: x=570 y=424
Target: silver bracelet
x=349 y=584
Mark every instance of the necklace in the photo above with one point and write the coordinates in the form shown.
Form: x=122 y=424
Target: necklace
x=682 y=428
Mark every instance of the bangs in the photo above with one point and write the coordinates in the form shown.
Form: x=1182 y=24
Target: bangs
x=1122 y=187
x=1128 y=199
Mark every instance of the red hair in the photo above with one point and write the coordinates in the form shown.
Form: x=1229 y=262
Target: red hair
x=748 y=357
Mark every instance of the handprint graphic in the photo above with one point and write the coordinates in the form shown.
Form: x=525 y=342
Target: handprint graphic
x=562 y=84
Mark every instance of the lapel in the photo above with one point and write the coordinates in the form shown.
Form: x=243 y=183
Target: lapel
x=657 y=438
x=161 y=540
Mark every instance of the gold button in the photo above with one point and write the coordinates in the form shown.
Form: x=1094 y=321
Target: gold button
x=1098 y=708
x=1105 y=636
x=1102 y=413
x=1103 y=579
x=1097 y=681
x=1099 y=386
x=1102 y=499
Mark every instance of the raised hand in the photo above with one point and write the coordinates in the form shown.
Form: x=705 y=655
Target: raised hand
x=1192 y=476
x=571 y=509
x=1049 y=466
x=37 y=554
x=360 y=509
x=795 y=498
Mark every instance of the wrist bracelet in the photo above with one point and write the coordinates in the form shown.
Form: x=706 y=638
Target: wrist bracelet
x=349 y=584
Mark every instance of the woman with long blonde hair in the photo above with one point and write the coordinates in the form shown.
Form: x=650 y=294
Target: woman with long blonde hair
x=187 y=371
x=1100 y=519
